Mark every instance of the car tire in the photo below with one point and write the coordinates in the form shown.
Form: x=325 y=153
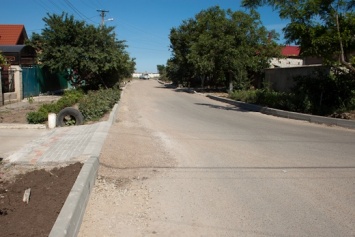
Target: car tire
x=69 y=116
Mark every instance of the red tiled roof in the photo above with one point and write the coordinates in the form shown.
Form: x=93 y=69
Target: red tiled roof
x=289 y=51
x=12 y=34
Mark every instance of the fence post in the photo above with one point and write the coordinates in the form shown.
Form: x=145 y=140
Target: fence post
x=1 y=94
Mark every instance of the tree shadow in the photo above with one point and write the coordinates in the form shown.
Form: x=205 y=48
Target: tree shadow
x=175 y=88
x=229 y=106
x=220 y=107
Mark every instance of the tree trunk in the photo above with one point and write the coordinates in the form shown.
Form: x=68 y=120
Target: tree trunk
x=203 y=82
x=342 y=56
x=230 y=89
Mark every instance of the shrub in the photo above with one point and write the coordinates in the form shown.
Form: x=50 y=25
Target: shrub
x=247 y=96
x=320 y=93
x=69 y=98
x=36 y=117
x=273 y=99
x=96 y=103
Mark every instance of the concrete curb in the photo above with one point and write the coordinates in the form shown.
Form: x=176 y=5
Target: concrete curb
x=71 y=215
x=286 y=114
x=22 y=126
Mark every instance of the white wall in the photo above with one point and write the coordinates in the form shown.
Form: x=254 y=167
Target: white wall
x=285 y=62
x=151 y=75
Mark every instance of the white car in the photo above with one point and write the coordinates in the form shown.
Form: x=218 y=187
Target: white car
x=145 y=76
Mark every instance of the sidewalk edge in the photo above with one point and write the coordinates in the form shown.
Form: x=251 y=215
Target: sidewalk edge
x=286 y=114
x=21 y=126
x=71 y=215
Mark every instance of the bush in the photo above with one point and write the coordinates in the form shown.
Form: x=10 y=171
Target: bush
x=277 y=100
x=69 y=98
x=247 y=96
x=36 y=117
x=323 y=94
x=320 y=94
x=96 y=103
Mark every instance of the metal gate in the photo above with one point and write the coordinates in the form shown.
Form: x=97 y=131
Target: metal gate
x=31 y=78
x=7 y=80
x=37 y=80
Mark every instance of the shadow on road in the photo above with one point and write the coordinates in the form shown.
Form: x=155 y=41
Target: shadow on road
x=233 y=108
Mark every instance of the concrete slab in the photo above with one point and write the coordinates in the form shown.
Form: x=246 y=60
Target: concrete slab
x=11 y=140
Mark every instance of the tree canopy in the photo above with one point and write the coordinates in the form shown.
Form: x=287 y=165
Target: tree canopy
x=322 y=28
x=85 y=53
x=219 y=46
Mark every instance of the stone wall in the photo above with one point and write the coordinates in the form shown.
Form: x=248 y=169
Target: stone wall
x=281 y=79
x=17 y=95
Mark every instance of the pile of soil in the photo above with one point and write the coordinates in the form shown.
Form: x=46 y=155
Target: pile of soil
x=49 y=190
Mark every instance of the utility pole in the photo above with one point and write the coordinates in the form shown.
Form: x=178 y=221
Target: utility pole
x=102 y=14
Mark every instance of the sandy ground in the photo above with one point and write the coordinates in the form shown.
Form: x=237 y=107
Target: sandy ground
x=49 y=189
x=127 y=163
x=175 y=174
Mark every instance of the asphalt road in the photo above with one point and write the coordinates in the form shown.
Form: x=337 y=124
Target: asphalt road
x=231 y=172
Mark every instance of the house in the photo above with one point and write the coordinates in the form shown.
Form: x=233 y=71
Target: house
x=20 y=77
x=291 y=58
x=279 y=76
x=12 y=35
x=12 y=45
x=17 y=54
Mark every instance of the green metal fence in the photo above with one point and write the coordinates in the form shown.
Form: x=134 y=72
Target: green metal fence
x=37 y=80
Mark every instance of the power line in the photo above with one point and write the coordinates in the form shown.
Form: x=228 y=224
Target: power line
x=102 y=14
x=57 y=6
x=91 y=4
x=43 y=5
x=77 y=11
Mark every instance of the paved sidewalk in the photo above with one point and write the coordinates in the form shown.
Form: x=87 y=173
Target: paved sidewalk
x=63 y=145
x=60 y=145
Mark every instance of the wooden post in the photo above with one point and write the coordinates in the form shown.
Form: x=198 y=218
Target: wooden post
x=230 y=82
x=1 y=94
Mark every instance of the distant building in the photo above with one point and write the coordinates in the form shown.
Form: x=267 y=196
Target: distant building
x=280 y=75
x=151 y=75
x=291 y=58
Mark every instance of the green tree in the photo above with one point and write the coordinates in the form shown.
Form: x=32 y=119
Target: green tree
x=323 y=28
x=3 y=60
x=220 y=46
x=161 y=69
x=162 y=72
x=86 y=54
x=179 y=69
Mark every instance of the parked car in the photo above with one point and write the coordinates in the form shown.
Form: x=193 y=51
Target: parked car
x=145 y=76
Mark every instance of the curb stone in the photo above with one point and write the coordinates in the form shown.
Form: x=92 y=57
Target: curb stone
x=71 y=215
x=22 y=126
x=286 y=114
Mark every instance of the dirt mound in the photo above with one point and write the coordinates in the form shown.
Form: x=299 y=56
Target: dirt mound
x=49 y=190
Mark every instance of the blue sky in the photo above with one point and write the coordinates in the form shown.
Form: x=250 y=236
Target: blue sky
x=144 y=24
